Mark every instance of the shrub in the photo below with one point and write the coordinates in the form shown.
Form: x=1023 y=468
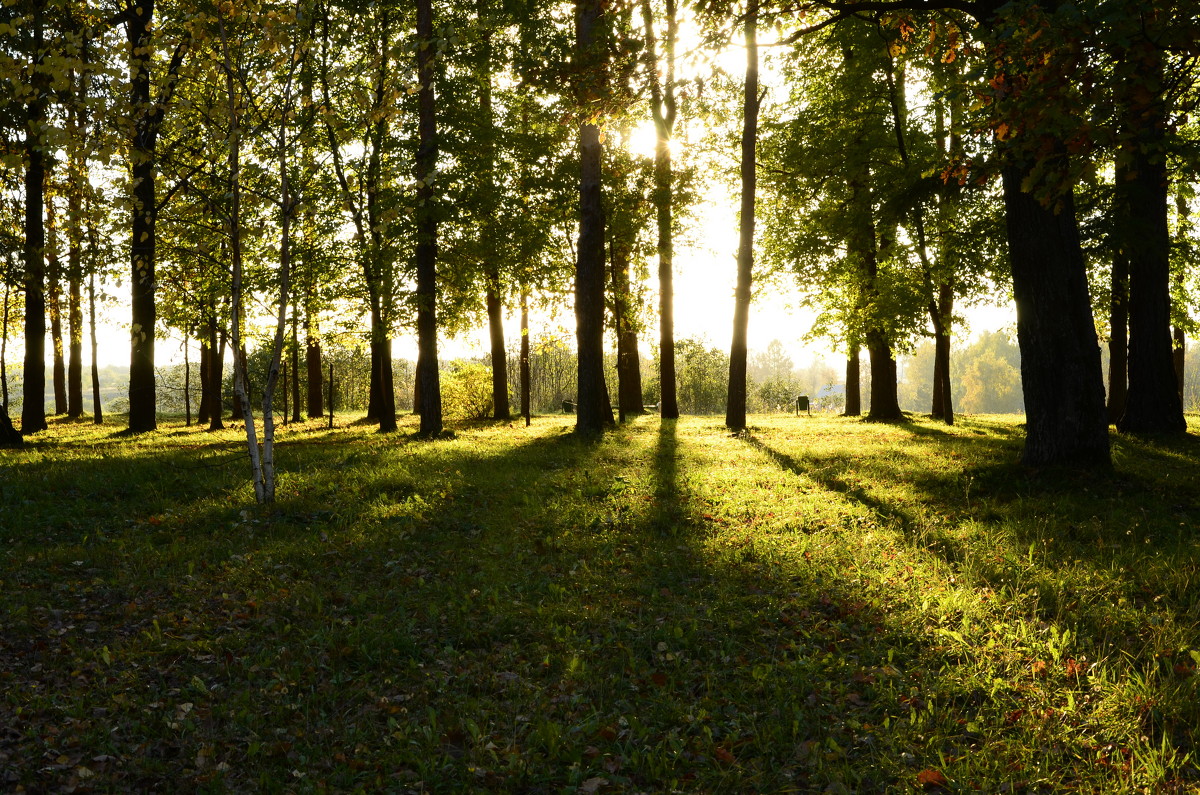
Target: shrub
x=467 y=391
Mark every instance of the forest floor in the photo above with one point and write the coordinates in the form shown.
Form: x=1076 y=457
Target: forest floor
x=819 y=605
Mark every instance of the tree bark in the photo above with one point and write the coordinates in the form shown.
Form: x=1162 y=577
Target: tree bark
x=1153 y=404
x=4 y=342
x=495 y=310
x=853 y=384
x=97 y=403
x=629 y=365
x=943 y=398
x=33 y=409
x=216 y=376
x=205 y=386
x=312 y=360
x=593 y=412
x=427 y=226
x=54 y=305
x=1060 y=356
x=75 y=188
x=147 y=116
x=735 y=405
x=1118 y=335
x=525 y=373
x=884 y=402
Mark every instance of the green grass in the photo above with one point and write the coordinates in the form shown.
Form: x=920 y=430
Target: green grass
x=820 y=605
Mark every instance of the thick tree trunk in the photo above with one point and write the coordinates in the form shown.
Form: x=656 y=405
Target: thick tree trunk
x=142 y=173
x=33 y=409
x=1118 y=336
x=203 y=404
x=735 y=404
x=525 y=374
x=853 y=384
x=1153 y=404
x=427 y=226
x=593 y=412
x=495 y=310
x=884 y=402
x=9 y=436
x=386 y=385
x=1060 y=357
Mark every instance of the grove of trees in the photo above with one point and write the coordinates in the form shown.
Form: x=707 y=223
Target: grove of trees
x=264 y=177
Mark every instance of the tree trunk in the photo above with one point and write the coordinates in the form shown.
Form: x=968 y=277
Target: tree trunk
x=735 y=405
x=216 y=376
x=525 y=374
x=629 y=365
x=663 y=110
x=4 y=344
x=853 y=384
x=75 y=332
x=142 y=173
x=1153 y=404
x=295 y=361
x=943 y=399
x=205 y=386
x=75 y=188
x=427 y=226
x=884 y=402
x=593 y=412
x=1118 y=337
x=495 y=310
x=312 y=360
x=97 y=402
x=33 y=409
x=1180 y=356
x=1060 y=357
x=54 y=306
x=9 y=436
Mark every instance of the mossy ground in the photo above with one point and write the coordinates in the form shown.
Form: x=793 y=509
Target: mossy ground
x=818 y=605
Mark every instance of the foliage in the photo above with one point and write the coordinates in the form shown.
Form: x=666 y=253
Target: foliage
x=467 y=391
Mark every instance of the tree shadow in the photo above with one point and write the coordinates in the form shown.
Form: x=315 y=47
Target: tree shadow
x=499 y=616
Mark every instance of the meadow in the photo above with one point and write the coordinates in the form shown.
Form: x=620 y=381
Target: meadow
x=818 y=605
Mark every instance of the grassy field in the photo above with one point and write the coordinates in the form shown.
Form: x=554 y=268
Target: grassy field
x=820 y=605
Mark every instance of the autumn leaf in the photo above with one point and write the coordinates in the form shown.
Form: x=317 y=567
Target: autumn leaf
x=932 y=779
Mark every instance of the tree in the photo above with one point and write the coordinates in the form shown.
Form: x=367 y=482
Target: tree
x=427 y=227
x=147 y=111
x=663 y=108
x=594 y=412
x=735 y=409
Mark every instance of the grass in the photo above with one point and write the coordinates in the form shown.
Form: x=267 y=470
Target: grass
x=819 y=605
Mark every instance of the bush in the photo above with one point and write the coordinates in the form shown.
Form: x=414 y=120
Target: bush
x=467 y=391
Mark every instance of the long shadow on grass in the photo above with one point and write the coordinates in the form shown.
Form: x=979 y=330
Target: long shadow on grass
x=517 y=620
